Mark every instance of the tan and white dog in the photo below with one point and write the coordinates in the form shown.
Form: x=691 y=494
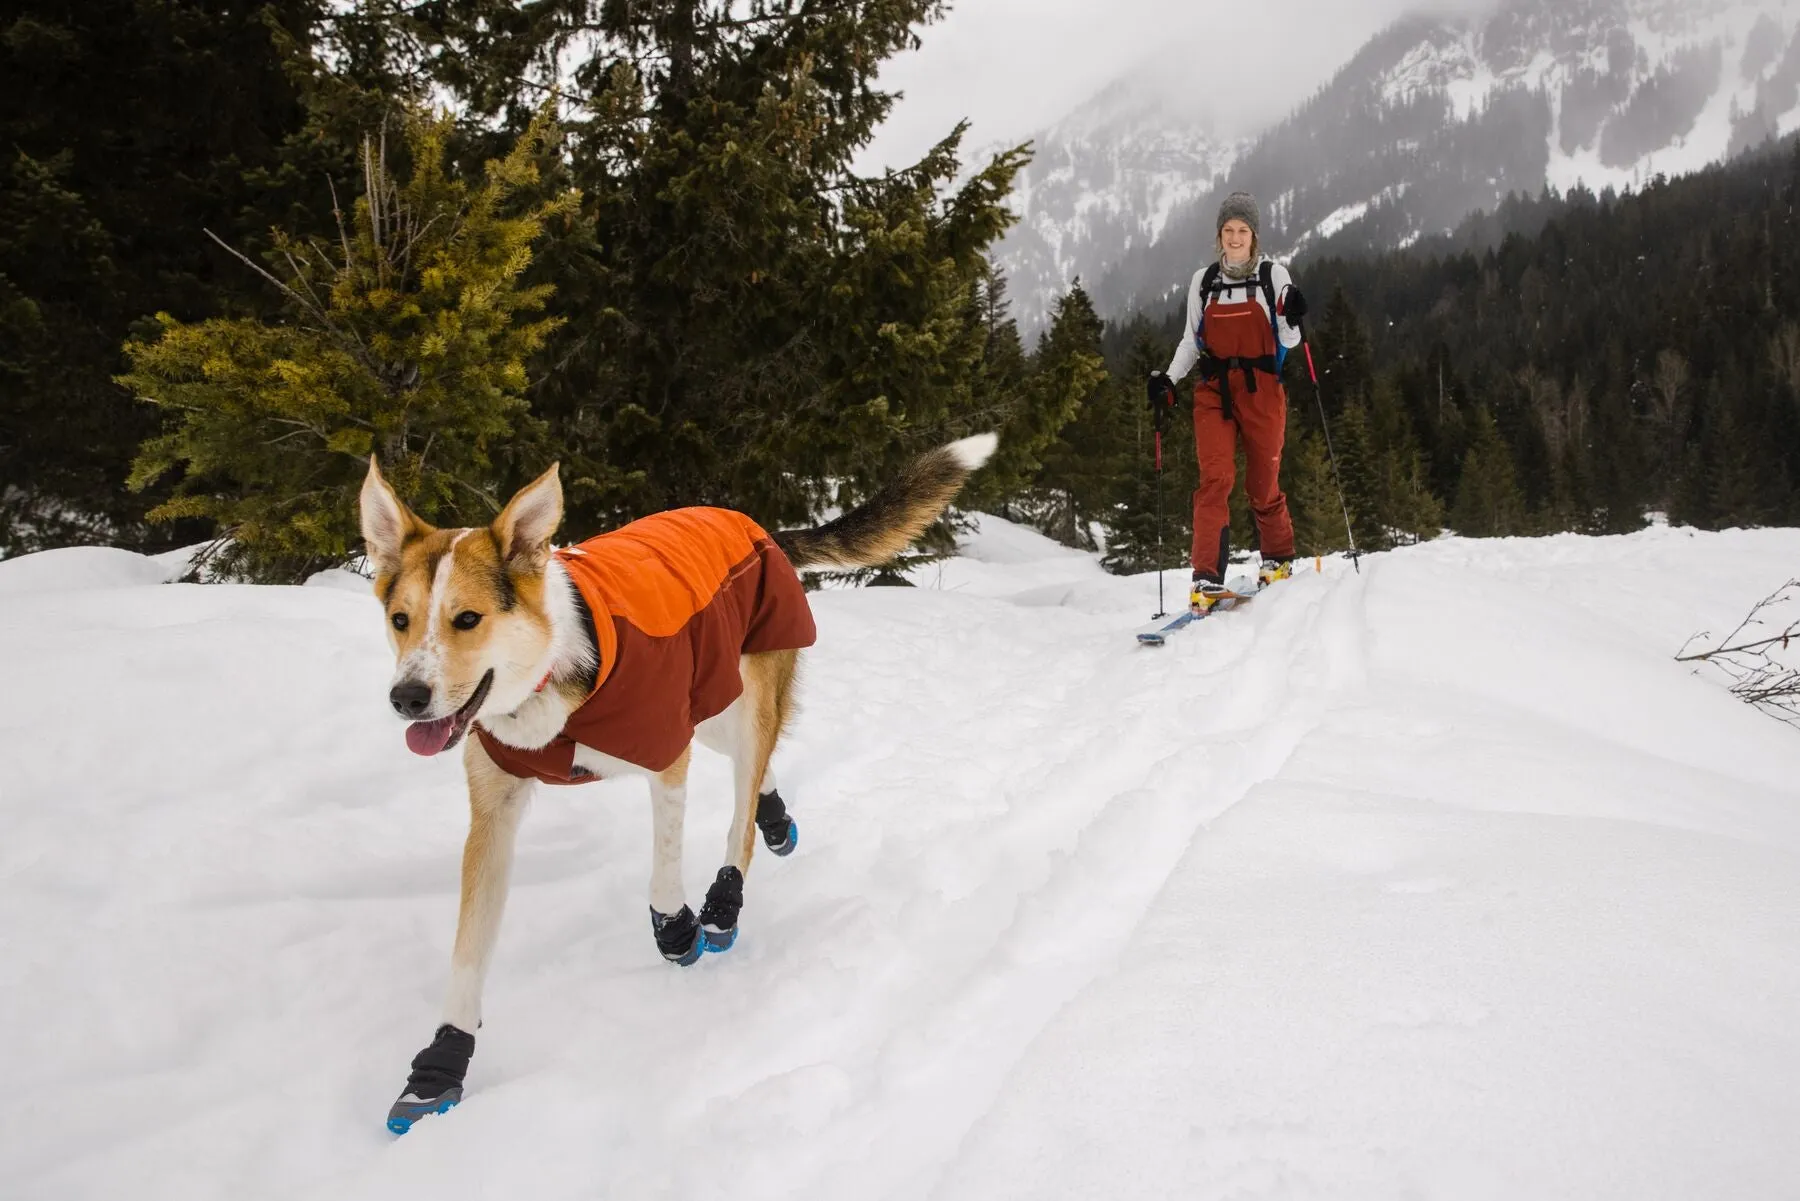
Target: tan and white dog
x=602 y=660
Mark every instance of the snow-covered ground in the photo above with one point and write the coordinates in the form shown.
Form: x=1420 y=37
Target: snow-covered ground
x=1437 y=881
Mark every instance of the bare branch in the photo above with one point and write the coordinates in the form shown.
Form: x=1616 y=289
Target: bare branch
x=1758 y=677
x=243 y=258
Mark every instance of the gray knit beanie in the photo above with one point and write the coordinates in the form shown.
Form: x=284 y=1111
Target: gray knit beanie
x=1242 y=206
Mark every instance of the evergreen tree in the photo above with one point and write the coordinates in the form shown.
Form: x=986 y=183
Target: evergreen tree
x=1313 y=498
x=406 y=337
x=1076 y=483
x=1404 y=507
x=751 y=323
x=1359 y=468
x=126 y=128
x=1027 y=415
x=1345 y=358
x=1731 y=476
x=1618 y=473
x=1488 y=501
x=1144 y=506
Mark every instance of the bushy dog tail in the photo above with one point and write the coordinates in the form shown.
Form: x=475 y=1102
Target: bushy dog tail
x=876 y=531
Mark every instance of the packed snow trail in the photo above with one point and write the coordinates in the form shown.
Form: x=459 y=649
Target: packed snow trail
x=1437 y=880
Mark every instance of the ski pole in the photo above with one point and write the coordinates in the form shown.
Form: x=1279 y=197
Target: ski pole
x=1336 y=479
x=1161 y=611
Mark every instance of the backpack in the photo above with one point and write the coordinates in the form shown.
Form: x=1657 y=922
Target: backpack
x=1213 y=285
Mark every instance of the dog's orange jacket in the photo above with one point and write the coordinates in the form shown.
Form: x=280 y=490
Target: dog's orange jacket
x=676 y=598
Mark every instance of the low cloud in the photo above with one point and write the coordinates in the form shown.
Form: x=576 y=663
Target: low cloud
x=1014 y=67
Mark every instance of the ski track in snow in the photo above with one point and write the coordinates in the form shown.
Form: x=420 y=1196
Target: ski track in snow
x=1439 y=879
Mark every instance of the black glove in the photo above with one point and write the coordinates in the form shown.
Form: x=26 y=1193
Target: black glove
x=1293 y=306
x=1160 y=392
x=1160 y=389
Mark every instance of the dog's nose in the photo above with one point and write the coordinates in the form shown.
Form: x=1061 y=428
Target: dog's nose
x=410 y=698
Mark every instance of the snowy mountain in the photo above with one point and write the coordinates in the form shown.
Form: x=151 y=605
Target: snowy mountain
x=1438 y=880
x=1101 y=182
x=1434 y=118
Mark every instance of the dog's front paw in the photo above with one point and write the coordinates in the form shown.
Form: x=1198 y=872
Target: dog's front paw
x=677 y=936
x=719 y=916
x=436 y=1083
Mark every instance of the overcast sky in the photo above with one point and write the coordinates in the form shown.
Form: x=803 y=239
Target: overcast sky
x=1015 y=66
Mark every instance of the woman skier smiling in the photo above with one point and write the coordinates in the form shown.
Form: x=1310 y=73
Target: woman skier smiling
x=1243 y=316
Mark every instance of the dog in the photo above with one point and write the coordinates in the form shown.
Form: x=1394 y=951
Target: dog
x=609 y=659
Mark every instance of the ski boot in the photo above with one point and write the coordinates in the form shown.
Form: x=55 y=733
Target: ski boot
x=1272 y=570
x=1205 y=593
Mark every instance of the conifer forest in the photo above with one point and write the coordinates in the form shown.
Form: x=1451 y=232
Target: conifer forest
x=247 y=244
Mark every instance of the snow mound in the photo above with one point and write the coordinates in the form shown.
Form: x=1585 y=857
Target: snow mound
x=1441 y=879
x=78 y=568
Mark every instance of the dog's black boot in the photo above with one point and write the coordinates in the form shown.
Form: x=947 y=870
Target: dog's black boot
x=677 y=936
x=779 y=832
x=719 y=916
x=437 y=1078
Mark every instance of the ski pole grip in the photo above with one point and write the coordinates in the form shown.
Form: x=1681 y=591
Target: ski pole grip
x=1310 y=369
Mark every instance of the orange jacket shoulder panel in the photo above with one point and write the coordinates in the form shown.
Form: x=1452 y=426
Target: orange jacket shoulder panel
x=660 y=570
x=677 y=599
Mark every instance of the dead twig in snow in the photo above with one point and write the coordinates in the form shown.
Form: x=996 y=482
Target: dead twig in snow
x=1757 y=656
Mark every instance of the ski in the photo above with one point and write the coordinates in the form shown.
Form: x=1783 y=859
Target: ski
x=1157 y=636
x=1239 y=592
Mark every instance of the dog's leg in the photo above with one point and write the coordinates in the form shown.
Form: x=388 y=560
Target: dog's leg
x=780 y=832
x=496 y=803
x=768 y=678
x=676 y=928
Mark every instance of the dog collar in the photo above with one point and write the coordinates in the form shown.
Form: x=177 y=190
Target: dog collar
x=545 y=682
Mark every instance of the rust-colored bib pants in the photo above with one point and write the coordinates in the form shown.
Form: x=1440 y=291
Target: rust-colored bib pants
x=1239 y=393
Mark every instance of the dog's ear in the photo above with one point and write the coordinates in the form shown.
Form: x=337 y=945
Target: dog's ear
x=525 y=527
x=386 y=523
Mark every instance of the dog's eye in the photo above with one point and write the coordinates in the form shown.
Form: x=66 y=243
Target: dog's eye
x=468 y=619
x=399 y=620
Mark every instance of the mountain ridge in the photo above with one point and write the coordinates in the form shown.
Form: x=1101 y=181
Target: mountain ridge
x=1433 y=119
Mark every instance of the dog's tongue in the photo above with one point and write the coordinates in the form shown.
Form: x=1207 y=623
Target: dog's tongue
x=430 y=737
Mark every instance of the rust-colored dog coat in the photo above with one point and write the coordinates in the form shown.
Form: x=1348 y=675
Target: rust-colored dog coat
x=676 y=598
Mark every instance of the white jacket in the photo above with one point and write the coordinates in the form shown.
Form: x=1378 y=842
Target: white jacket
x=1187 y=352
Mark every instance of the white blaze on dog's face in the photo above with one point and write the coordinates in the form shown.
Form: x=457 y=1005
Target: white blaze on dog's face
x=465 y=608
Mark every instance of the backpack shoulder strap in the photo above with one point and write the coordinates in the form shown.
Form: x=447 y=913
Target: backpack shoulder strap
x=1267 y=277
x=1209 y=285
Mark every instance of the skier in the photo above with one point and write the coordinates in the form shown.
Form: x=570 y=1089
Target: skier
x=1243 y=316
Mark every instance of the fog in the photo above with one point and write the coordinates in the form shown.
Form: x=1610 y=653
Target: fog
x=1013 y=67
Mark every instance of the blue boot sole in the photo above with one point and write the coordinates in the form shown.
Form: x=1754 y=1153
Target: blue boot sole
x=786 y=846
x=400 y=1123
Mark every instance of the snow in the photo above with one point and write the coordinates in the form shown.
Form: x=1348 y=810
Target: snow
x=1660 y=34
x=80 y=568
x=1332 y=223
x=1437 y=880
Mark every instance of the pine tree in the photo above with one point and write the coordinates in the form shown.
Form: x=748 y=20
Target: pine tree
x=1359 y=470
x=1345 y=358
x=1014 y=401
x=1150 y=522
x=126 y=127
x=1488 y=502
x=1404 y=507
x=1732 y=479
x=1075 y=484
x=752 y=323
x=406 y=337
x=1313 y=498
